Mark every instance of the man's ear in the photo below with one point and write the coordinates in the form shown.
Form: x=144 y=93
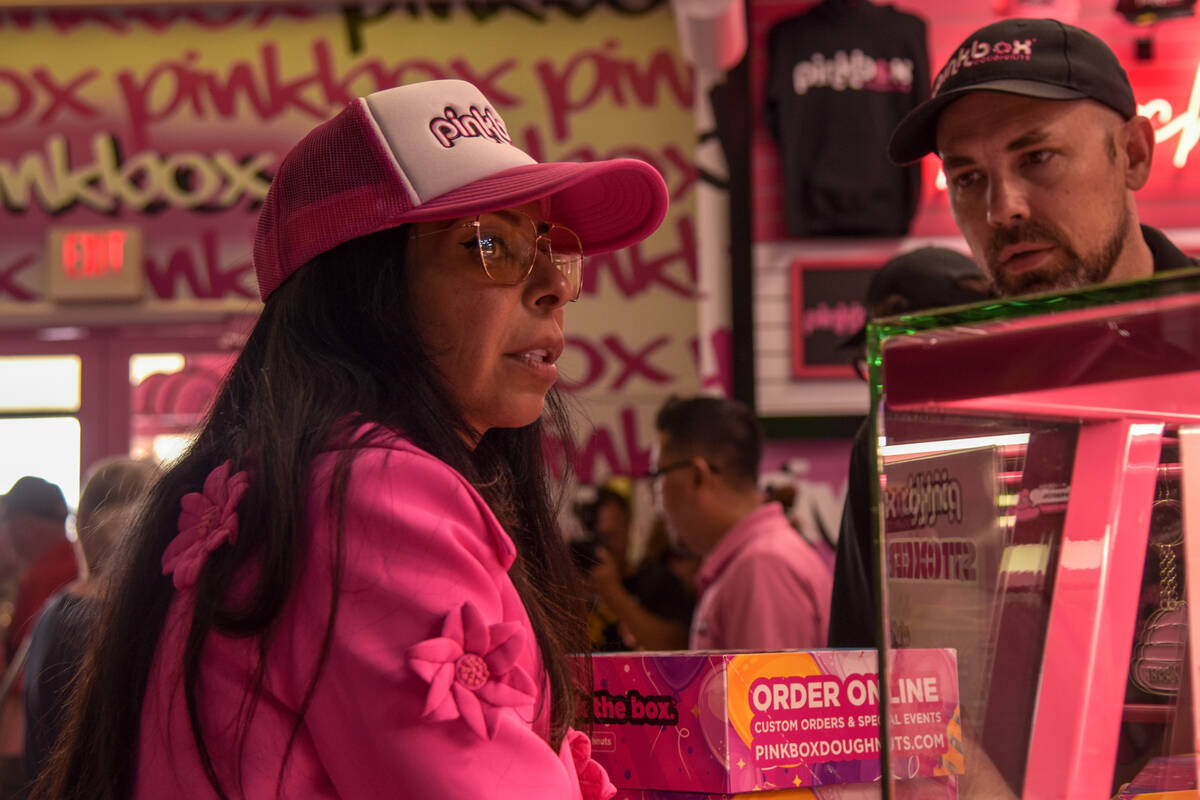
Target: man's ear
x=890 y=306
x=1137 y=137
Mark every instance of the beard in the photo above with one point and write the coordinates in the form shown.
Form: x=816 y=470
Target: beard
x=1071 y=271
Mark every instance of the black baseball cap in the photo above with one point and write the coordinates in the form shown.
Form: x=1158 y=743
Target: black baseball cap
x=36 y=497
x=1032 y=57
x=928 y=277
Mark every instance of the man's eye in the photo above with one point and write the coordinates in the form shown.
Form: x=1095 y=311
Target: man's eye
x=965 y=180
x=1039 y=156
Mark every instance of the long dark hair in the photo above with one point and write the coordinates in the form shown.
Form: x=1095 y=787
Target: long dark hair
x=335 y=346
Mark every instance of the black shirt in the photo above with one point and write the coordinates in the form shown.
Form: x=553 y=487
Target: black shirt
x=56 y=650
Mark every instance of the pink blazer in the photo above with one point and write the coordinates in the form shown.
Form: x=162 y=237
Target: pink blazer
x=433 y=686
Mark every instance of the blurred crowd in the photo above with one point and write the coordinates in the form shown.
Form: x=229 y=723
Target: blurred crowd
x=52 y=564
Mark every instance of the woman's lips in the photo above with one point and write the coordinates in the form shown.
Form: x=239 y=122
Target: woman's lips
x=537 y=361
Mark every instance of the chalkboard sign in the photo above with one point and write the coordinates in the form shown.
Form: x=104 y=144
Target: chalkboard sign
x=827 y=308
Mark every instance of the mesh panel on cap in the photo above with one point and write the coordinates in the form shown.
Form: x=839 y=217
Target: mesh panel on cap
x=337 y=184
x=266 y=248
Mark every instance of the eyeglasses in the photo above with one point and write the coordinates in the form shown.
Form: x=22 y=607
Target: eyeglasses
x=508 y=244
x=655 y=474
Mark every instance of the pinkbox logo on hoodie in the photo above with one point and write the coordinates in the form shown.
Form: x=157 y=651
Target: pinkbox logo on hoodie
x=474 y=123
x=978 y=52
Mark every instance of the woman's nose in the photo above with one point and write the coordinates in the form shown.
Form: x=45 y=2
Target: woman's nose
x=549 y=286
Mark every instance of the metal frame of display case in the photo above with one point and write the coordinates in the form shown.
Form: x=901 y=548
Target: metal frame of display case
x=1122 y=361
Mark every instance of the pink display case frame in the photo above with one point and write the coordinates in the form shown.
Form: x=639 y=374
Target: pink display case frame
x=1090 y=359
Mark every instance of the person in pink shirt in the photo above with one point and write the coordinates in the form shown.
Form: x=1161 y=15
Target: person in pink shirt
x=352 y=585
x=760 y=586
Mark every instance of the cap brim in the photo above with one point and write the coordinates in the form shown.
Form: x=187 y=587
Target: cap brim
x=857 y=340
x=916 y=135
x=609 y=204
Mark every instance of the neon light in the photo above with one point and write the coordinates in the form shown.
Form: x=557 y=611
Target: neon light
x=952 y=445
x=1186 y=125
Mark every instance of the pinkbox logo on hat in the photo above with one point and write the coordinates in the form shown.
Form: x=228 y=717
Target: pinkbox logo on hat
x=454 y=125
x=430 y=151
x=980 y=52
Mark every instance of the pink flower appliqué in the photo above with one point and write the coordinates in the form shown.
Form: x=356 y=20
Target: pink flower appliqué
x=472 y=670
x=207 y=521
x=594 y=783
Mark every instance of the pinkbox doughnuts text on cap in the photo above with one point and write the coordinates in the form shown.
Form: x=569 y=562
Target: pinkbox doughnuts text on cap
x=430 y=151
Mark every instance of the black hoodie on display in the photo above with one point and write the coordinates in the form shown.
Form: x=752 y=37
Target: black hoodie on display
x=840 y=77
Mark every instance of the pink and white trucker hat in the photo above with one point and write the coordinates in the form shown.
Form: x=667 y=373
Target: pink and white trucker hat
x=430 y=151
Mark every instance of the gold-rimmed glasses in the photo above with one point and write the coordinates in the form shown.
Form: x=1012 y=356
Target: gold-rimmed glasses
x=508 y=242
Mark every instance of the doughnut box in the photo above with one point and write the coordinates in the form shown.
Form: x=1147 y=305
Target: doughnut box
x=721 y=723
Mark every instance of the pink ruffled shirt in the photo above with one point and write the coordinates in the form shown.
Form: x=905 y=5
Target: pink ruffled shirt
x=431 y=686
x=762 y=587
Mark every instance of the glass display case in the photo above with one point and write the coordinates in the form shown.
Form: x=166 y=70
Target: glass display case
x=1037 y=459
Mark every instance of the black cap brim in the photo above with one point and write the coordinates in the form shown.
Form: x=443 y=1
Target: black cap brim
x=855 y=341
x=916 y=135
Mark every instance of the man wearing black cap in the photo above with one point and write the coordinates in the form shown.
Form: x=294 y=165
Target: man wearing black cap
x=1040 y=140
x=1037 y=128
x=917 y=280
x=920 y=279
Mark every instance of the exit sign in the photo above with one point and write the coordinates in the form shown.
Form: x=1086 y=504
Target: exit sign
x=94 y=264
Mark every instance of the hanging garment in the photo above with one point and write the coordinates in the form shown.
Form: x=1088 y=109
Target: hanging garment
x=840 y=77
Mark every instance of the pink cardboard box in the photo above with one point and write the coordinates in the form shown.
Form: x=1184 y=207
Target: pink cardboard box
x=729 y=722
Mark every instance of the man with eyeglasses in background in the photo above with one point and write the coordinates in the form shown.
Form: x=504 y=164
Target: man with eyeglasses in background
x=760 y=585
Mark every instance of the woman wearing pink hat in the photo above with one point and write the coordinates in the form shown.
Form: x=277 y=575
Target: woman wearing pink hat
x=352 y=585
